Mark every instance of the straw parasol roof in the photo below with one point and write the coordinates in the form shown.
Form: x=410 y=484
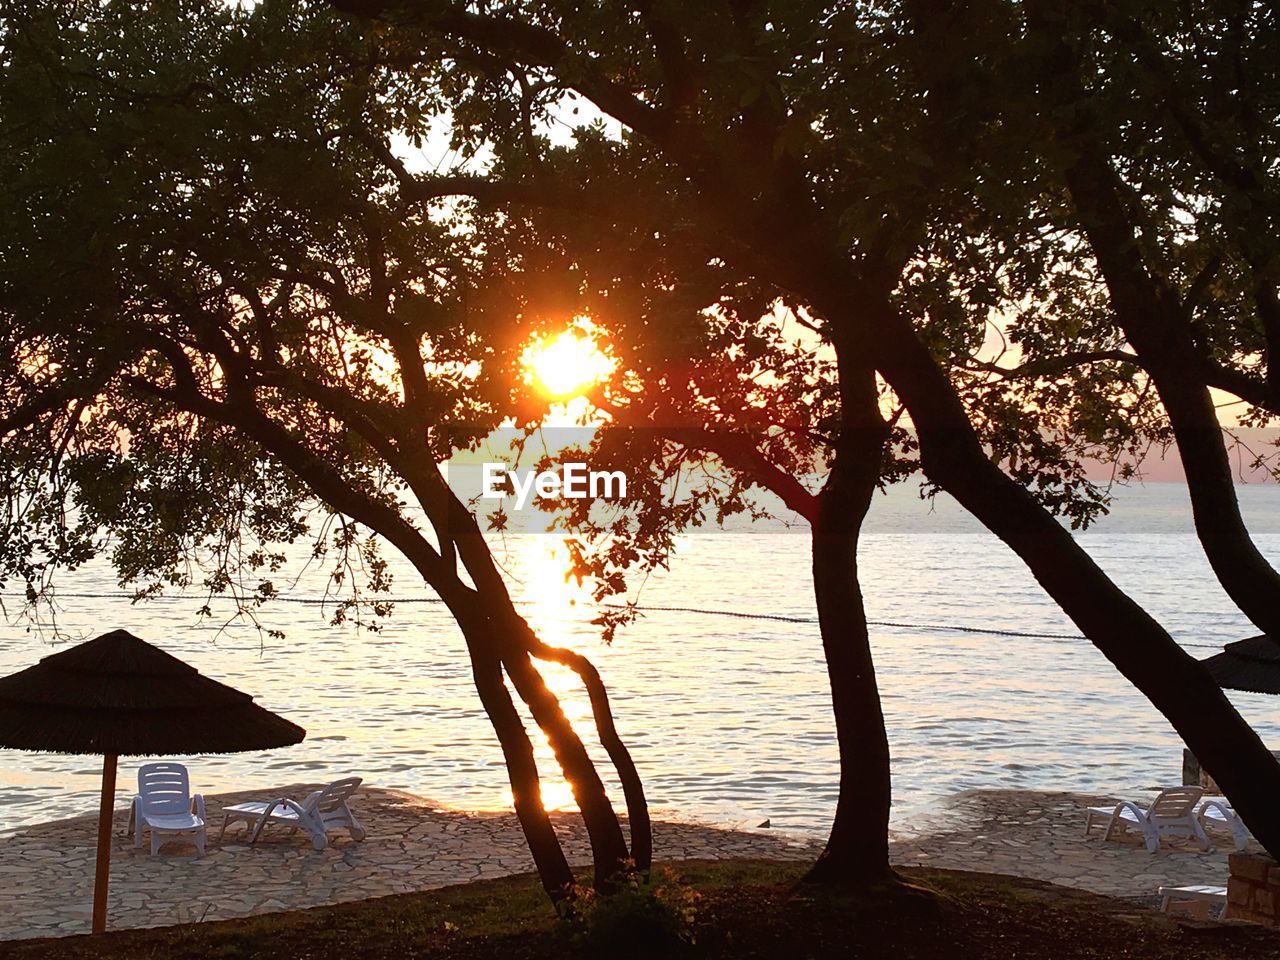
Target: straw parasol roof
x=118 y=694
x=1252 y=665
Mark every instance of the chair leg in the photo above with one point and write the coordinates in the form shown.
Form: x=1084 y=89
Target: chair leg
x=1115 y=826
x=156 y=840
x=358 y=832
x=257 y=830
x=1241 y=834
x=1152 y=838
x=199 y=839
x=1202 y=838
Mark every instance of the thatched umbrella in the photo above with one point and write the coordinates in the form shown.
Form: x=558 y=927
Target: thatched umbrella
x=1252 y=665
x=119 y=696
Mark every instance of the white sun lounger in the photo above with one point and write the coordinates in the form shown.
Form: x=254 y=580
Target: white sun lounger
x=1219 y=813
x=1197 y=893
x=164 y=806
x=320 y=812
x=1171 y=814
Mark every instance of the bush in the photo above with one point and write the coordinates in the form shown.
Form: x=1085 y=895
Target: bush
x=650 y=915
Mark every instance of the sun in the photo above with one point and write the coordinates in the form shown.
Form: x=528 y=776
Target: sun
x=566 y=364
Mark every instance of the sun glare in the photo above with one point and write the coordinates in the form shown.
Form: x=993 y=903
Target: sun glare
x=566 y=364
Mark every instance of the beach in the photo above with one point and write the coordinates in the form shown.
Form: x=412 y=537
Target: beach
x=999 y=740
x=728 y=718
x=413 y=844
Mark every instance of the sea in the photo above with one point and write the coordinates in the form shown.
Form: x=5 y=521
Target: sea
x=719 y=689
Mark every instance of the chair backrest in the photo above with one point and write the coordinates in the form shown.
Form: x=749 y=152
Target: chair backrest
x=1175 y=802
x=164 y=788
x=334 y=795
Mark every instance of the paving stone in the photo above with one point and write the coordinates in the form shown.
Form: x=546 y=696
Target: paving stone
x=412 y=844
x=1052 y=846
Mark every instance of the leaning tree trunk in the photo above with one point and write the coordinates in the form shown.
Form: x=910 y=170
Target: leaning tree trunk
x=1155 y=325
x=857 y=849
x=608 y=845
x=457 y=527
x=522 y=772
x=498 y=636
x=489 y=647
x=1246 y=575
x=495 y=649
x=638 y=823
x=1175 y=683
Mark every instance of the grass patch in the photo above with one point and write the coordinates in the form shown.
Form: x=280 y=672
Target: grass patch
x=746 y=909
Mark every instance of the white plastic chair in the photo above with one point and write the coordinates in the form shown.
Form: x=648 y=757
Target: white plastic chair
x=164 y=805
x=1171 y=814
x=322 y=811
x=1197 y=900
x=1220 y=813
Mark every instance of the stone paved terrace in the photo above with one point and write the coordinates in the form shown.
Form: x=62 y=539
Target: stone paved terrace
x=1041 y=836
x=46 y=871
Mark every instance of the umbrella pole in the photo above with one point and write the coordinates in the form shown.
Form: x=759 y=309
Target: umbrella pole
x=105 y=810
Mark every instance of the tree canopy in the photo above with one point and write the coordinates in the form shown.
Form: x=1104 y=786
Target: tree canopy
x=828 y=244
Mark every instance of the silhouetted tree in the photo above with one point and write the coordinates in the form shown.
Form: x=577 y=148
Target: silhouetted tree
x=828 y=183
x=1155 y=136
x=217 y=313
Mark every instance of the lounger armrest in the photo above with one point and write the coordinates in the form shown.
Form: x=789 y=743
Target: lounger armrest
x=1229 y=817
x=1143 y=816
x=197 y=805
x=288 y=803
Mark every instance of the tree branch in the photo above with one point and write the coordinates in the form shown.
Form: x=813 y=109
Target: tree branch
x=527 y=44
x=1052 y=366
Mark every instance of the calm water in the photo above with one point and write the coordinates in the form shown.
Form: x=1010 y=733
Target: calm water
x=728 y=718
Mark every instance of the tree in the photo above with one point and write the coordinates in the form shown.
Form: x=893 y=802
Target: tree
x=1155 y=192
x=706 y=391
x=216 y=315
x=749 y=111
x=708 y=401
x=1181 y=231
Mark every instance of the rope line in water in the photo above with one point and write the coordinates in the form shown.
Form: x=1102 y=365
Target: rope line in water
x=705 y=611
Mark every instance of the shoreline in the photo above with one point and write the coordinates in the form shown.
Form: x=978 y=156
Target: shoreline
x=415 y=844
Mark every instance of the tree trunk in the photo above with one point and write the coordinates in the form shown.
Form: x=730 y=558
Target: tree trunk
x=608 y=846
x=498 y=639
x=457 y=529
x=464 y=603
x=857 y=850
x=1156 y=324
x=1245 y=574
x=1175 y=683
x=522 y=772
x=639 y=825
